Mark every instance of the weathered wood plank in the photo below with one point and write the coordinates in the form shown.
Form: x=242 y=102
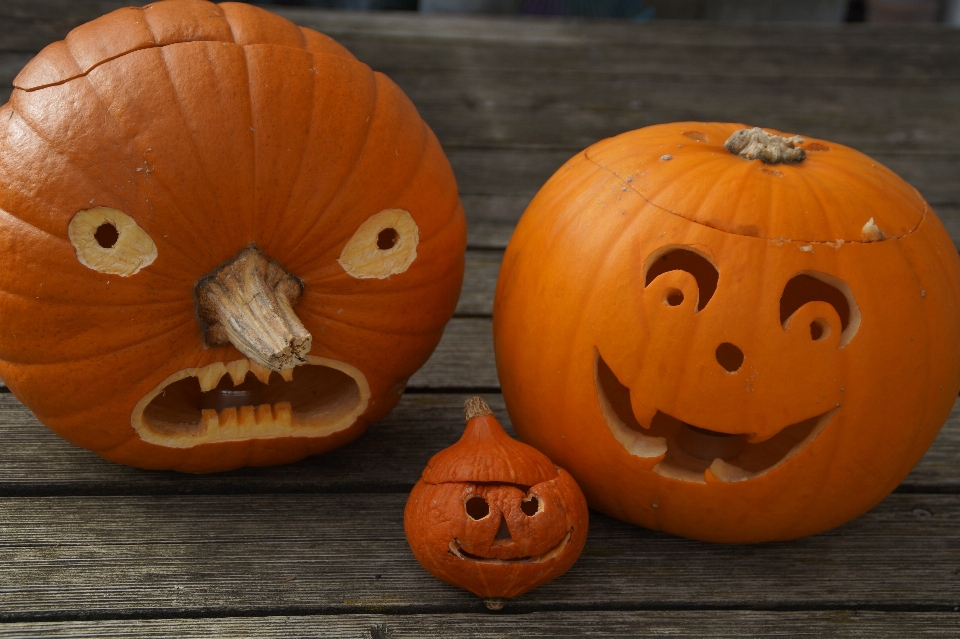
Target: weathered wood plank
x=714 y=624
x=388 y=458
x=226 y=555
x=509 y=30
x=463 y=359
x=479 y=282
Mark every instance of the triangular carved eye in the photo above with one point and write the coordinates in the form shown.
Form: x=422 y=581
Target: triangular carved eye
x=681 y=259
x=820 y=287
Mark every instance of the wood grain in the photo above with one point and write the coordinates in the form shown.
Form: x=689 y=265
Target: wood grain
x=588 y=624
x=224 y=555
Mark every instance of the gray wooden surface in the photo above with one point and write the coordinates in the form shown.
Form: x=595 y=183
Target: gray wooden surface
x=92 y=549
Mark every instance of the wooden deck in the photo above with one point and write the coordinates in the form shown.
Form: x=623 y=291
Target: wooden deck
x=92 y=549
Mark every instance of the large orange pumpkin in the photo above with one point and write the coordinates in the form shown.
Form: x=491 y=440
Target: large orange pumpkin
x=493 y=515
x=729 y=334
x=224 y=240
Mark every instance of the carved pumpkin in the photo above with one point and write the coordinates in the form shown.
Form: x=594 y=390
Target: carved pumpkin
x=493 y=515
x=224 y=240
x=734 y=343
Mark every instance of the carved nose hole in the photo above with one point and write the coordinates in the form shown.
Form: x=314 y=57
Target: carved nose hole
x=730 y=357
x=503 y=532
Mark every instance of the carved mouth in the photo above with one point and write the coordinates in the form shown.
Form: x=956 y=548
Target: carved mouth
x=242 y=400
x=456 y=550
x=686 y=452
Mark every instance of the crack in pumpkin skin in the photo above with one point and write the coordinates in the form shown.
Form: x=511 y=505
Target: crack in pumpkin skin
x=241 y=400
x=692 y=453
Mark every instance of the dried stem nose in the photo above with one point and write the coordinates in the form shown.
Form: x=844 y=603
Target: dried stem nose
x=248 y=302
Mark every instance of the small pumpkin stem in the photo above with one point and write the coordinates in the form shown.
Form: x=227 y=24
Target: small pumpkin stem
x=476 y=407
x=248 y=302
x=757 y=144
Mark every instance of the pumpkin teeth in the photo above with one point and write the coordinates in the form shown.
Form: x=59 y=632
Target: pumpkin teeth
x=235 y=423
x=209 y=376
x=196 y=406
x=261 y=372
x=238 y=370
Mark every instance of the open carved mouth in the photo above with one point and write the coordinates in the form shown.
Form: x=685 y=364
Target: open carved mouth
x=456 y=550
x=686 y=452
x=242 y=400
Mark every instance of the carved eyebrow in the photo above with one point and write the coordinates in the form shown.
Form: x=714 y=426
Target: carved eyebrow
x=803 y=288
x=681 y=259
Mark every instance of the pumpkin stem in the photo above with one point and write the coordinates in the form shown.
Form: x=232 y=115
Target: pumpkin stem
x=248 y=302
x=476 y=407
x=757 y=144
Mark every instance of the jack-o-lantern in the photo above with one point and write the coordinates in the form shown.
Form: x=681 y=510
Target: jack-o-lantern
x=729 y=334
x=224 y=240
x=493 y=515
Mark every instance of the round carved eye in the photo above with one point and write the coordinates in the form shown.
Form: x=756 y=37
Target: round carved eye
x=384 y=245
x=530 y=506
x=477 y=507
x=681 y=259
x=110 y=241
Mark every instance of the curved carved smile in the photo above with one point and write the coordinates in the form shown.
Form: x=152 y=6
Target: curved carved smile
x=457 y=551
x=686 y=452
x=242 y=400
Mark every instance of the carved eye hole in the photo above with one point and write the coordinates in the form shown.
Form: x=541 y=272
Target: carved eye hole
x=680 y=259
x=110 y=241
x=476 y=507
x=384 y=245
x=820 y=287
x=530 y=506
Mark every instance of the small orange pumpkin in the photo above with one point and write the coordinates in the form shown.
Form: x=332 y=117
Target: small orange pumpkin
x=727 y=333
x=493 y=515
x=224 y=240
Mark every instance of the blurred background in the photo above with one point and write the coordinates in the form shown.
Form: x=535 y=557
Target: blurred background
x=823 y=11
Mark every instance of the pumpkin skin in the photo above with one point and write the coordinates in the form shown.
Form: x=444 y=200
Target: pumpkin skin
x=651 y=259
x=532 y=520
x=214 y=128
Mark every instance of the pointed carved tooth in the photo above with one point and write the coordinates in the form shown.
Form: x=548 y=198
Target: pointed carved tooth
x=238 y=370
x=210 y=375
x=228 y=417
x=262 y=372
x=720 y=470
x=282 y=413
x=211 y=424
x=246 y=417
x=264 y=414
x=287 y=375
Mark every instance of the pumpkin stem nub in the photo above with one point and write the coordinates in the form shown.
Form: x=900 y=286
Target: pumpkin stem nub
x=757 y=144
x=476 y=407
x=248 y=302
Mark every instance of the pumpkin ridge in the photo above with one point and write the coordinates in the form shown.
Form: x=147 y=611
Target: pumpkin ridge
x=184 y=124
x=355 y=161
x=776 y=239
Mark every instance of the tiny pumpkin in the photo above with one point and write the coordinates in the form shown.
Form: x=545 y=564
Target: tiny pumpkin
x=493 y=515
x=224 y=240
x=728 y=333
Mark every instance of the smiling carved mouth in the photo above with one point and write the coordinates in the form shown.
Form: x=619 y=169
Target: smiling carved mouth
x=456 y=550
x=686 y=452
x=242 y=400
